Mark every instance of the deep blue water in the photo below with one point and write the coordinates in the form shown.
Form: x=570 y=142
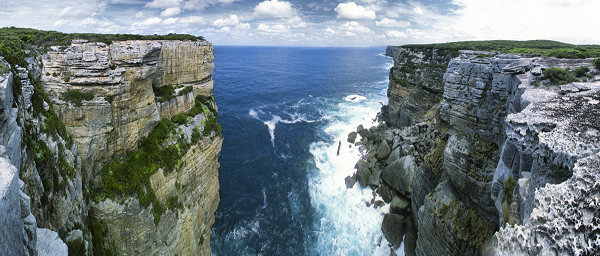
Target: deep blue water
x=283 y=111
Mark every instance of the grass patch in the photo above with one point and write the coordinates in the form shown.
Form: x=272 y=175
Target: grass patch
x=164 y=93
x=185 y=90
x=581 y=71
x=173 y=203
x=77 y=96
x=76 y=248
x=558 y=75
x=596 y=63
x=509 y=187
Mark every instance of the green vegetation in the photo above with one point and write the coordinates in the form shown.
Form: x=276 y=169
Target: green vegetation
x=581 y=71
x=180 y=118
x=465 y=222
x=185 y=90
x=596 y=63
x=76 y=96
x=98 y=230
x=509 y=186
x=76 y=248
x=164 y=93
x=196 y=135
x=173 y=203
x=435 y=158
x=537 y=47
x=558 y=75
x=14 y=41
x=163 y=148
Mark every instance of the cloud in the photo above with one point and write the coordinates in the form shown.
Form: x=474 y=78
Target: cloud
x=242 y=26
x=191 y=20
x=385 y=22
x=297 y=22
x=279 y=28
x=274 y=9
x=170 y=21
x=395 y=34
x=566 y=20
x=147 y=22
x=232 y=20
x=203 y=4
x=353 y=11
x=418 y=10
x=170 y=12
x=163 y=3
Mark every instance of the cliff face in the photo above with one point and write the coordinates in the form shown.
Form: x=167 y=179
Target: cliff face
x=502 y=163
x=84 y=111
x=121 y=78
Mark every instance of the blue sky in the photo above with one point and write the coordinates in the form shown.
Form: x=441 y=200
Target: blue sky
x=317 y=23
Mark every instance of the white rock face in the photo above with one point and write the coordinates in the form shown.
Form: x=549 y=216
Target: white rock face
x=50 y=244
x=11 y=224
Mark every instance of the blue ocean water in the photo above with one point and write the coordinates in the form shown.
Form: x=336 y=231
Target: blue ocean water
x=284 y=111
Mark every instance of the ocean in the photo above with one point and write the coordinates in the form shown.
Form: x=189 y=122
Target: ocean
x=284 y=111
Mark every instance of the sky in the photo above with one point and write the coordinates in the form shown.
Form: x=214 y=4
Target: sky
x=317 y=23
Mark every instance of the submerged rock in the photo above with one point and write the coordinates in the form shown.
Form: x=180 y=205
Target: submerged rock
x=393 y=228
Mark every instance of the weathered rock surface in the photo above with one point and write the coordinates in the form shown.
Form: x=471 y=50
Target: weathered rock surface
x=183 y=231
x=121 y=77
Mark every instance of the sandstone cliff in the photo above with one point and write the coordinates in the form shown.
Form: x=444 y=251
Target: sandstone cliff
x=502 y=163
x=75 y=123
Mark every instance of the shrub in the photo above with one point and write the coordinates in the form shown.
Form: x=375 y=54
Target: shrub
x=163 y=93
x=558 y=75
x=196 y=135
x=581 y=71
x=173 y=203
x=509 y=186
x=185 y=90
x=180 y=118
x=76 y=96
x=596 y=63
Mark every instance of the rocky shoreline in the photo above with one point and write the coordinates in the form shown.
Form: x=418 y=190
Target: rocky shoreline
x=481 y=168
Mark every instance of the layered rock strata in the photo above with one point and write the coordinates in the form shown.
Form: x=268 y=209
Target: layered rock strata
x=503 y=147
x=82 y=106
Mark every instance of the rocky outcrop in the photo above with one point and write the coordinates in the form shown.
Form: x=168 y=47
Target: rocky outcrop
x=502 y=149
x=415 y=83
x=122 y=79
x=558 y=204
x=77 y=108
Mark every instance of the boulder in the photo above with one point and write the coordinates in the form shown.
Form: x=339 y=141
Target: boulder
x=374 y=179
x=400 y=205
x=383 y=150
x=400 y=174
x=350 y=181
x=393 y=228
x=352 y=137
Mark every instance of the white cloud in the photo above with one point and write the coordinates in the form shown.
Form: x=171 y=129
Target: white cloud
x=225 y=29
x=385 y=22
x=243 y=26
x=329 y=30
x=353 y=11
x=395 y=34
x=148 y=22
x=163 y=3
x=418 y=10
x=139 y=15
x=230 y=21
x=170 y=21
x=203 y=4
x=297 y=22
x=279 y=28
x=571 y=21
x=170 y=12
x=274 y=9
x=192 y=20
